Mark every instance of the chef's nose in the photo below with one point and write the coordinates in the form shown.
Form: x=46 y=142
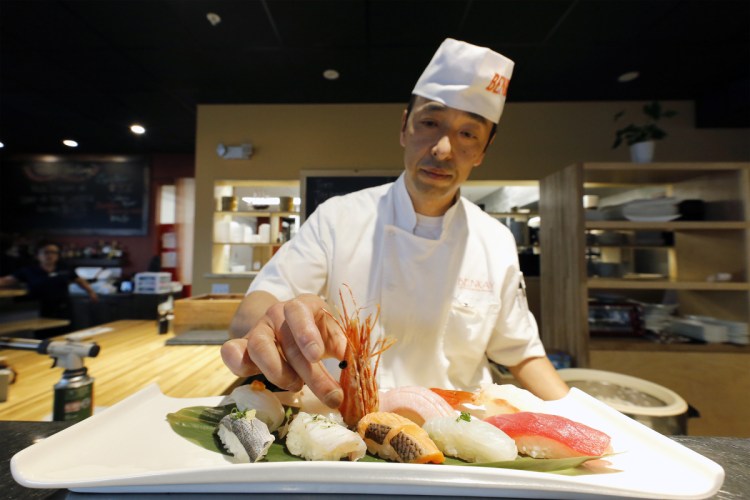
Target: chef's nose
x=442 y=149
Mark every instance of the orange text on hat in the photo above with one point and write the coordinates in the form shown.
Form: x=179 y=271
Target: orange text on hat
x=498 y=85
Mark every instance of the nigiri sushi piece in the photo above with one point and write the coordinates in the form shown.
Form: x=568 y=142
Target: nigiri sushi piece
x=462 y=401
x=305 y=400
x=540 y=435
x=470 y=439
x=507 y=398
x=315 y=437
x=397 y=438
x=255 y=396
x=415 y=403
x=244 y=436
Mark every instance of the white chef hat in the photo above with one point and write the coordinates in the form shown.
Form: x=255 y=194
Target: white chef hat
x=467 y=77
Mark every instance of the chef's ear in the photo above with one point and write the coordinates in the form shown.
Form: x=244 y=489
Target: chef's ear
x=404 y=119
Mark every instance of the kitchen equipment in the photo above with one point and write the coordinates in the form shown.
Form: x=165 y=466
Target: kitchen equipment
x=653 y=405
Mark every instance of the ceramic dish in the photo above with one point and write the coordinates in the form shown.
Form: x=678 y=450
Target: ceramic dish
x=130 y=448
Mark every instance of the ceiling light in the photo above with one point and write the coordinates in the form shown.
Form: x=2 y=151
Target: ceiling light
x=628 y=77
x=2 y=145
x=213 y=18
x=70 y=143
x=137 y=129
x=331 y=74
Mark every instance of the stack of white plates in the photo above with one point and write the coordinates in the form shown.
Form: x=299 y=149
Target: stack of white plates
x=657 y=317
x=737 y=331
x=710 y=329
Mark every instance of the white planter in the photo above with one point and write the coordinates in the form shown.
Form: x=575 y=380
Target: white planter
x=642 y=152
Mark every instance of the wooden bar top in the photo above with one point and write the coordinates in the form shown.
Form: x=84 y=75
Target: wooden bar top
x=133 y=355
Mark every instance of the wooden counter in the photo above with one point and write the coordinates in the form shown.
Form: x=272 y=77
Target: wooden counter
x=132 y=356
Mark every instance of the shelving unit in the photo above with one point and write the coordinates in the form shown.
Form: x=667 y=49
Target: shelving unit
x=239 y=249
x=711 y=376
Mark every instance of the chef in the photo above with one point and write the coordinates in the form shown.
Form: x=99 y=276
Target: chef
x=444 y=274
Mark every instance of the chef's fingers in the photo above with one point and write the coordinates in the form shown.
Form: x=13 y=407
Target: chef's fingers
x=315 y=375
x=267 y=353
x=234 y=354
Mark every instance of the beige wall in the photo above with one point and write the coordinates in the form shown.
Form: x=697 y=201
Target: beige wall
x=534 y=139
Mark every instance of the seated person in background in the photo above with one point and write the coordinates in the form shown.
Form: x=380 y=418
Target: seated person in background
x=47 y=282
x=445 y=274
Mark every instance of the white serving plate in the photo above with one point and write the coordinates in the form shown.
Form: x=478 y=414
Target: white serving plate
x=130 y=448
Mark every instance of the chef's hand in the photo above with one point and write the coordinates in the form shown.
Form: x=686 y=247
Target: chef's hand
x=286 y=344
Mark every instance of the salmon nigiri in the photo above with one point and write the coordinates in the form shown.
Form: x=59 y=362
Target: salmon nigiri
x=540 y=435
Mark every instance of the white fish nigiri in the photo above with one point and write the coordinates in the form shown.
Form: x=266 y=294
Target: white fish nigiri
x=244 y=436
x=255 y=396
x=415 y=403
x=472 y=439
x=315 y=437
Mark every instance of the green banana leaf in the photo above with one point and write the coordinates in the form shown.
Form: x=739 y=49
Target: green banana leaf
x=198 y=425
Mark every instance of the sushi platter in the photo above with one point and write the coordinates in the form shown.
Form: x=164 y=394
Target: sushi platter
x=130 y=448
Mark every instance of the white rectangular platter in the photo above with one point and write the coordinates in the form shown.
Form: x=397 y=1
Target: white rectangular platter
x=130 y=448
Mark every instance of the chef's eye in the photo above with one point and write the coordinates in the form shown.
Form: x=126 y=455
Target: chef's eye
x=429 y=123
x=468 y=135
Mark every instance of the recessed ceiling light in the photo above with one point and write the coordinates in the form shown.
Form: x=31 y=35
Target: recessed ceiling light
x=213 y=18
x=70 y=143
x=628 y=77
x=137 y=129
x=2 y=145
x=331 y=74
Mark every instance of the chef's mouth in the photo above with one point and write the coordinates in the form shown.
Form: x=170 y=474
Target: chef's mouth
x=435 y=173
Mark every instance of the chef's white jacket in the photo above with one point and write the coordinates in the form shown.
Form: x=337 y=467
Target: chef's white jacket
x=450 y=303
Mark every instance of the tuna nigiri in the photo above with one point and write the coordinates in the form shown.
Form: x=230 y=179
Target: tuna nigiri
x=394 y=437
x=470 y=439
x=415 y=403
x=540 y=435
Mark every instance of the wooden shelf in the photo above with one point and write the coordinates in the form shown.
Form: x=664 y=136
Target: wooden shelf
x=630 y=344
x=644 y=284
x=666 y=226
x=700 y=249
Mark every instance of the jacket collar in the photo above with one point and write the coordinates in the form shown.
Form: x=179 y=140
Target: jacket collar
x=405 y=217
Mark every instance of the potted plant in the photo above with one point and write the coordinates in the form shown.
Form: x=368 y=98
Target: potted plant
x=641 y=138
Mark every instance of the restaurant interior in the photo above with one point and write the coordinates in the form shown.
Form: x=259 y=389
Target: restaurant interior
x=170 y=148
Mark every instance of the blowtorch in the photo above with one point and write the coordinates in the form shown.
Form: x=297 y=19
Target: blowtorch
x=74 y=393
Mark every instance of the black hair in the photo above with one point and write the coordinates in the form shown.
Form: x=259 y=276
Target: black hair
x=410 y=105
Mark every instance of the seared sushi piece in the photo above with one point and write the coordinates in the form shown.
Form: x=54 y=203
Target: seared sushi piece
x=540 y=435
x=415 y=403
x=315 y=437
x=244 y=436
x=470 y=439
x=255 y=396
x=397 y=438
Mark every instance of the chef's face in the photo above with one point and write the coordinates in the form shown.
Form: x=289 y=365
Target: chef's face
x=442 y=145
x=48 y=254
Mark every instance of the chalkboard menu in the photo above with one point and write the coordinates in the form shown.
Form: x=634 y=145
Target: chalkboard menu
x=75 y=196
x=318 y=186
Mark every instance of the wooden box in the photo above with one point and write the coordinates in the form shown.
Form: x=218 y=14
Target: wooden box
x=205 y=312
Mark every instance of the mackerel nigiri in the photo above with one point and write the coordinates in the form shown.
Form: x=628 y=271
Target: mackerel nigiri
x=540 y=435
x=470 y=439
x=394 y=437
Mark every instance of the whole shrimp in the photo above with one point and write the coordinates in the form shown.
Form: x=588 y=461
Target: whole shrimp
x=358 y=373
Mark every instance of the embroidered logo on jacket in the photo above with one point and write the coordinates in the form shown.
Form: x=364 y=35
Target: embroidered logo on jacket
x=476 y=285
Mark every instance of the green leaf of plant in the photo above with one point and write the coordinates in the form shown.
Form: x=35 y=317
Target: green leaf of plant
x=198 y=425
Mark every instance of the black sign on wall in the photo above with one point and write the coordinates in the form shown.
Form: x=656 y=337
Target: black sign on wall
x=319 y=185
x=89 y=196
